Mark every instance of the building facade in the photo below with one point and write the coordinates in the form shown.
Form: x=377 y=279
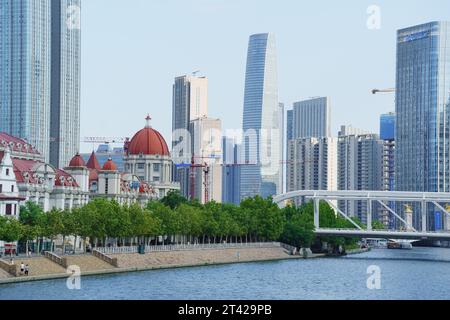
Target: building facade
x=147 y=156
x=312 y=164
x=206 y=136
x=387 y=135
x=190 y=102
x=312 y=118
x=40 y=75
x=359 y=168
x=422 y=109
x=65 y=81
x=261 y=148
x=231 y=171
x=25 y=71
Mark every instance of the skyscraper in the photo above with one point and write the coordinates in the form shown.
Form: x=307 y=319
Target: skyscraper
x=422 y=109
x=359 y=168
x=190 y=102
x=231 y=171
x=25 y=71
x=40 y=75
x=312 y=164
x=387 y=135
x=312 y=118
x=261 y=150
x=65 y=83
x=206 y=136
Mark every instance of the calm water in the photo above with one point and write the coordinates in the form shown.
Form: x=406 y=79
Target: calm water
x=422 y=273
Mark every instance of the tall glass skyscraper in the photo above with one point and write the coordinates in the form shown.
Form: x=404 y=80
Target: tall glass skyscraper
x=261 y=150
x=40 y=75
x=25 y=70
x=65 y=83
x=422 y=109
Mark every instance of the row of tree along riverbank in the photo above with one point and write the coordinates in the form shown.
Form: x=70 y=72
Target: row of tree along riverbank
x=174 y=219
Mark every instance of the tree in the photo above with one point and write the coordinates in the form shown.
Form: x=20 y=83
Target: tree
x=173 y=199
x=10 y=229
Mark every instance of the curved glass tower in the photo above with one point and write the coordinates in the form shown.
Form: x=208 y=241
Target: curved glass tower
x=261 y=153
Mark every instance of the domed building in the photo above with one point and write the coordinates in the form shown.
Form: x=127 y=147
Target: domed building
x=147 y=156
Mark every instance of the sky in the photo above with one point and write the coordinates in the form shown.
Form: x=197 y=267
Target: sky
x=132 y=51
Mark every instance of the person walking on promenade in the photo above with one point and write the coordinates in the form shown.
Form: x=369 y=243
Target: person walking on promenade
x=22 y=268
x=27 y=270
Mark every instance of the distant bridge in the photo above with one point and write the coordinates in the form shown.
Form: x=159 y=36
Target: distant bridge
x=439 y=200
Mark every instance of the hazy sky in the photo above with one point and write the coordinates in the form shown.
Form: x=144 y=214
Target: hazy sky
x=132 y=50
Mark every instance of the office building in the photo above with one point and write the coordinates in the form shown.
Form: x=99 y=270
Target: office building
x=387 y=135
x=422 y=110
x=261 y=149
x=312 y=118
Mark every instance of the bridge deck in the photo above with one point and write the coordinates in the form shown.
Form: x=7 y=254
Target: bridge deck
x=384 y=234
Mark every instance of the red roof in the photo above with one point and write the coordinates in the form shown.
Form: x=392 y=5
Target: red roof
x=109 y=166
x=64 y=179
x=77 y=162
x=16 y=144
x=28 y=167
x=2 y=153
x=93 y=162
x=148 y=142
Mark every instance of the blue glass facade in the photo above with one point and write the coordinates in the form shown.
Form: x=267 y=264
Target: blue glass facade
x=387 y=126
x=422 y=109
x=260 y=120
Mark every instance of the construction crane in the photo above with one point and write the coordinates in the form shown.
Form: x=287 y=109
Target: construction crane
x=389 y=90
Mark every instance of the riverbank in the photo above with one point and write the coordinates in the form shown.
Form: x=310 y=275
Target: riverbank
x=133 y=262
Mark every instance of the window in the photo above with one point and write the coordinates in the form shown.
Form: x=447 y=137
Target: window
x=12 y=188
x=9 y=209
x=7 y=172
x=156 y=167
x=106 y=186
x=156 y=179
x=141 y=166
x=1 y=188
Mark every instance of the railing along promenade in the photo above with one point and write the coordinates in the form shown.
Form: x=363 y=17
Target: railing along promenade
x=190 y=247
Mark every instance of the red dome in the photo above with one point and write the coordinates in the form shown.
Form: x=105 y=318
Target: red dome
x=109 y=165
x=77 y=162
x=148 y=142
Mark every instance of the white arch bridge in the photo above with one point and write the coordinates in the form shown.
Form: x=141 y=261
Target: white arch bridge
x=425 y=199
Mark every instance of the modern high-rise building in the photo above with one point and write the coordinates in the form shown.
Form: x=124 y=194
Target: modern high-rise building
x=207 y=149
x=312 y=118
x=65 y=81
x=40 y=75
x=312 y=164
x=190 y=102
x=387 y=135
x=359 y=168
x=261 y=149
x=289 y=125
x=25 y=71
x=231 y=171
x=422 y=110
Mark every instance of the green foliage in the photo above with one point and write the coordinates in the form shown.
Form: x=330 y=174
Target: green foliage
x=173 y=199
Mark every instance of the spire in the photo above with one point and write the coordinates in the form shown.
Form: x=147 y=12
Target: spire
x=93 y=162
x=148 y=120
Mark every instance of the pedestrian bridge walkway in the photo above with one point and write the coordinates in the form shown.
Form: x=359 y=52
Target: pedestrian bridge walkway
x=427 y=201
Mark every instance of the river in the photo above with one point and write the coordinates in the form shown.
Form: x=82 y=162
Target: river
x=422 y=273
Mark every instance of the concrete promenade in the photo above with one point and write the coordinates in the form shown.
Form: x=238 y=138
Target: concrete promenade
x=42 y=268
